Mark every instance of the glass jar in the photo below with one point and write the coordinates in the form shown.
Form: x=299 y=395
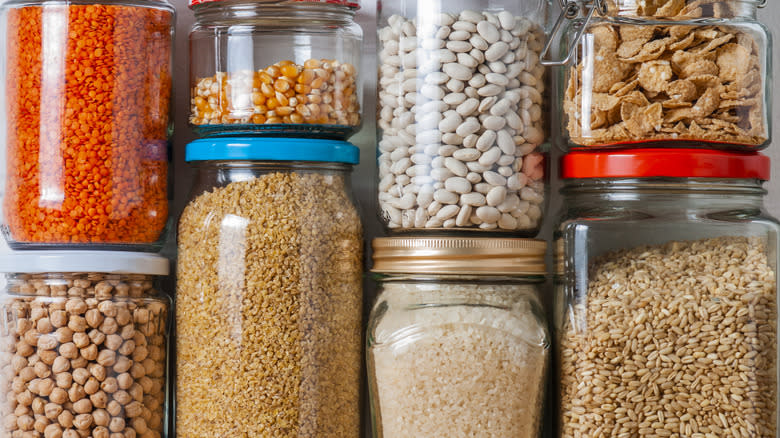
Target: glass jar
x=269 y=291
x=276 y=67
x=83 y=343
x=666 y=311
x=668 y=74
x=462 y=99
x=87 y=98
x=457 y=339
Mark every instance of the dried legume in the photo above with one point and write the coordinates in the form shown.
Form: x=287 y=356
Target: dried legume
x=269 y=310
x=87 y=110
x=673 y=340
x=320 y=92
x=462 y=119
x=83 y=355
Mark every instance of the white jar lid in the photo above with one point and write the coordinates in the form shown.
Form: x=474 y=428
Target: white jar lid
x=109 y=262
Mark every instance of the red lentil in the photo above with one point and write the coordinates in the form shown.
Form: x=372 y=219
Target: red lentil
x=87 y=123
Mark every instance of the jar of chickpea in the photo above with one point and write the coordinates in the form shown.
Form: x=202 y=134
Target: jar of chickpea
x=277 y=67
x=83 y=343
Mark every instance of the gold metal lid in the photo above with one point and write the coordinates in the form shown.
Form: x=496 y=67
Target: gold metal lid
x=459 y=255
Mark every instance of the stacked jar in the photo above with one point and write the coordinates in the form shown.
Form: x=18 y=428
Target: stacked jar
x=86 y=95
x=269 y=291
x=666 y=260
x=457 y=342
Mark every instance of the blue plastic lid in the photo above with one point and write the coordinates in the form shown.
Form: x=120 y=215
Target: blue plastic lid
x=272 y=149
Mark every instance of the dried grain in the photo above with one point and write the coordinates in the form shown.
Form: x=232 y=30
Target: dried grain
x=458 y=371
x=673 y=340
x=269 y=310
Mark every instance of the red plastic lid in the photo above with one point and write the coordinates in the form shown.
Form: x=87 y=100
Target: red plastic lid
x=671 y=163
x=354 y=4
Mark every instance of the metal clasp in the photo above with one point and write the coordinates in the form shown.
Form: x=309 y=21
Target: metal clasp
x=570 y=10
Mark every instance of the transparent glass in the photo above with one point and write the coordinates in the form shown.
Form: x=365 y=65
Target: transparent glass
x=462 y=105
x=276 y=69
x=87 y=94
x=687 y=74
x=457 y=356
x=83 y=355
x=666 y=309
x=268 y=302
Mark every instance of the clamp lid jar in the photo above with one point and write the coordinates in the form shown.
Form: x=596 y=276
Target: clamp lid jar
x=275 y=68
x=667 y=74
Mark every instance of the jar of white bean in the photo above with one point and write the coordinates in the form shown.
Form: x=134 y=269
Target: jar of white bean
x=457 y=340
x=462 y=103
x=83 y=345
x=667 y=296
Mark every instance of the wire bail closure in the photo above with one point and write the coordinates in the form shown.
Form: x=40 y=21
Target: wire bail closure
x=570 y=10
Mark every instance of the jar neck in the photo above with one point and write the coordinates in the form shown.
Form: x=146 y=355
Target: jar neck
x=272 y=15
x=100 y=285
x=665 y=193
x=461 y=278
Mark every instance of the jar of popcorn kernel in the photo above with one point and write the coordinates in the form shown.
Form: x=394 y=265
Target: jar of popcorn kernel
x=679 y=73
x=83 y=344
x=275 y=67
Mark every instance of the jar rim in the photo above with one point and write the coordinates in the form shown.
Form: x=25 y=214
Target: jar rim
x=685 y=10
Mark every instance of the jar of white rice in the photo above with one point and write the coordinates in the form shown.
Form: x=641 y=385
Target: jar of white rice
x=457 y=341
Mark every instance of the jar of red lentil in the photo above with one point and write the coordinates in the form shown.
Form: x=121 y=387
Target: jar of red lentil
x=276 y=67
x=666 y=311
x=666 y=73
x=83 y=344
x=87 y=91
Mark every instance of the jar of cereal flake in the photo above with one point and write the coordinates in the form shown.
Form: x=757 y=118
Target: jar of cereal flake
x=668 y=73
x=86 y=95
x=276 y=67
x=84 y=344
x=666 y=290
x=269 y=291
x=462 y=116
x=457 y=340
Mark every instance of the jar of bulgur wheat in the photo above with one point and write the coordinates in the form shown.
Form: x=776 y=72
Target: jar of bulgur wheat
x=457 y=340
x=269 y=291
x=666 y=310
x=275 y=67
x=83 y=343
x=668 y=73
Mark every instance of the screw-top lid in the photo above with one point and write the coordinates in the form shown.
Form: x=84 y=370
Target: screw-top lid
x=109 y=262
x=671 y=163
x=353 y=4
x=272 y=149
x=459 y=255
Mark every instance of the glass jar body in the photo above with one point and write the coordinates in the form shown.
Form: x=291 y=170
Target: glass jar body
x=269 y=295
x=462 y=104
x=86 y=352
x=670 y=78
x=277 y=69
x=458 y=356
x=87 y=95
x=661 y=285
